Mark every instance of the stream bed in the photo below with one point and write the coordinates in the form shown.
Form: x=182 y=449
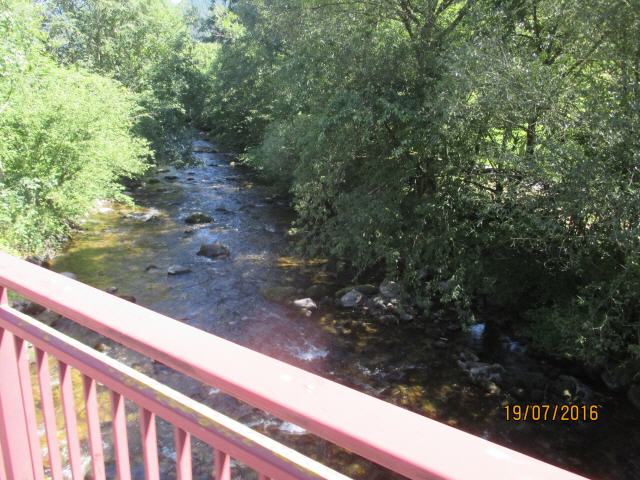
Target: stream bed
x=246 y=297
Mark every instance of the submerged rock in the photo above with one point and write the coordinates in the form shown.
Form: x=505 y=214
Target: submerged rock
x=198 y=217
x=482 y=373
x=202 y=146
x=213 y=250
x=147 y=216
x=178 y=270
x=351 y=299
x=279 y=294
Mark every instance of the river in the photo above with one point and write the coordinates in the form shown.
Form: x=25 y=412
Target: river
x=416 y=364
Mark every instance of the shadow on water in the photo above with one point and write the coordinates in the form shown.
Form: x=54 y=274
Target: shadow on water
x=416 y=365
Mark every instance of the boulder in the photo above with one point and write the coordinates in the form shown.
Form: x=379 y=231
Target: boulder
x=198 y=217
x=390 y=289
x=213 y=250
x=306 y=303
x=351 y=299
x=178 y=270
x=365 y=289
x=128 y=298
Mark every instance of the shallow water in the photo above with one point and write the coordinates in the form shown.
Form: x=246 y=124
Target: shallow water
x=414 y=365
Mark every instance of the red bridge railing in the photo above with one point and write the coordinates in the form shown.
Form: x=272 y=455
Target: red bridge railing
x=402 y=441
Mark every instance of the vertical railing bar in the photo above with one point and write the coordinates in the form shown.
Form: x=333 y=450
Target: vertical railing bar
x=29 y=407
x=49 y=414
x=93 y=427
x=70 y=421
x=14 y=431
x=183 y=454
x=3 y=471
x=149 y=444
x=222 y=465
x=120 y=440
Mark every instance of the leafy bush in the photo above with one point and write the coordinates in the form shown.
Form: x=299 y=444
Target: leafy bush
x=65 y=137
x=475 y=150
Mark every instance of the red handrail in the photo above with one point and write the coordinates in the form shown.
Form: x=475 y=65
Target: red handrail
x=398 y=439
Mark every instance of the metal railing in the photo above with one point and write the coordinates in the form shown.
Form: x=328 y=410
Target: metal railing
x=397 y=439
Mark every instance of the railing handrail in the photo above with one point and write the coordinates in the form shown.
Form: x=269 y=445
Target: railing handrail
x=403 y=441
x=218 y=430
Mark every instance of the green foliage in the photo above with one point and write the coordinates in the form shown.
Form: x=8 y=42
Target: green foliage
x=65 y=137
x=475 y=150
x=144 y=44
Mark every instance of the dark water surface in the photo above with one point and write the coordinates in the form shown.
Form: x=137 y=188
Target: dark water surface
x=415 y=365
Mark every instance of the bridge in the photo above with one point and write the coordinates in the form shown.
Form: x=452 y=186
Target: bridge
x=404 y=442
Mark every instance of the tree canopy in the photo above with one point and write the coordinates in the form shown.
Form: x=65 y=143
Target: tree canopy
x=484 y=152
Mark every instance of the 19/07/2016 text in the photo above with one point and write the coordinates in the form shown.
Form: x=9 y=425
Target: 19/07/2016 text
x=545 y=413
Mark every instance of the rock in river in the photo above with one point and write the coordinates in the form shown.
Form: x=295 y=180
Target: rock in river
x=198 y=217
x=365 y=289
x=482 y=373
x=213 y=250
x=351 y=299
x=147 y=216
x=178 y=270
x=305 y=303
x=390 y=289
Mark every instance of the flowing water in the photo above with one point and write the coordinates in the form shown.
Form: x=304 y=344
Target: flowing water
x=416 y=365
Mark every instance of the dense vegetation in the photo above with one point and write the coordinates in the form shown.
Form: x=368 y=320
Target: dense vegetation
x=484 y=152
x=90 y=92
